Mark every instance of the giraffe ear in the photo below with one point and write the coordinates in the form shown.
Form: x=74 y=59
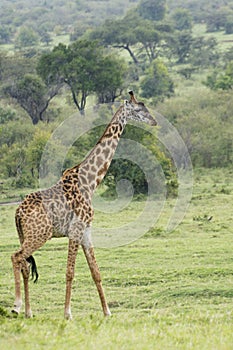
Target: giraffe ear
x=126 y=102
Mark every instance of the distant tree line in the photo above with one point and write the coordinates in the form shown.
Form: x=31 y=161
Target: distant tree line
x=37 y=20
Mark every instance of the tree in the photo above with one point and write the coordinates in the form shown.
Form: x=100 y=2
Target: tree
x=221 y=80
x=85 y=68
x=45 y=37
x=110 y=80
x=139 y=36
x=157 y=83
x=13 y=143
x=181 y=44
x=75 y=65
x=32 y=95
x=150 y=38
x=5 y=34
x=35 y=150
x=51 y=65
x=126 y=169
x=152 y=9
x=229 y=24
x=203 y=52
x=26 y=38
x=182 y=19
x=119 y=33
x=216 y=20
x=14 y=67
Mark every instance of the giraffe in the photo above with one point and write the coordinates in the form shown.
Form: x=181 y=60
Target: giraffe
x=65 y=210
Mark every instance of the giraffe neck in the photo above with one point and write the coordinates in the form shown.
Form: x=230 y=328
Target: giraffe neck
x=94 y=167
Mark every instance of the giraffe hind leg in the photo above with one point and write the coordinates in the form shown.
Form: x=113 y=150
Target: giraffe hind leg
x=17 y=270
x=21 y=260
x=17 y=266
x=21 y=265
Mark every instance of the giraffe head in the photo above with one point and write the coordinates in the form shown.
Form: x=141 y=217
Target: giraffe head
x=137 y=111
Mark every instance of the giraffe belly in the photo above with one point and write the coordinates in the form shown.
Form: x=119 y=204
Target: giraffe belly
x=69 y=225
x=58 y=234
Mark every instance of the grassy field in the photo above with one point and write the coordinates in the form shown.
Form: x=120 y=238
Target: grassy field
x=166 y=290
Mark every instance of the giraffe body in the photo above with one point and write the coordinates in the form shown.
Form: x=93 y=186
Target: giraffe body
x=65 y=210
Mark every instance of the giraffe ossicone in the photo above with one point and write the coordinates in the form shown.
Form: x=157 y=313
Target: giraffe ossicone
x=65 y=210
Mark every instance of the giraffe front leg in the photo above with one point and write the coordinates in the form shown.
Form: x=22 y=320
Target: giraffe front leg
x=90 y=256
x=17 y=270
x=72 y=253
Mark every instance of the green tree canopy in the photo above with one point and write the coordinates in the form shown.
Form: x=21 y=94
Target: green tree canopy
x=150 y=38
x=32 y=95
x=152 y=9
x=182 y=19
x=141 y=37
x=119 y=33
x=157 y=83
x=26 y=37
x=85 y=68
x=221 y=80
x=111 y=79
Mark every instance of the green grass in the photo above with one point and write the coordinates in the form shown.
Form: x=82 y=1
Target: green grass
x=165 y=290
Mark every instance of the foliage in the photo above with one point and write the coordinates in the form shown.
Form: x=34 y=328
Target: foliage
x=216 y=20
x=221 y=80
x=26 y=38
x=229 y=24
x=157 y=83
x=198 y=51
x=202 y=9
x=6 y=115
x=14 y=67
x=110 y=82
x=47 y=16
x=204 y=120
x=134 y=33
x=152 y=9
x=204 y=52
x=182 y=19
x=137 y=174
x=181 y=44
x=150 y=39
x=32 y=95
x=14 y=138
x=21 y=147
x=119 y=33
x=5 y=34
x=35 y=150
x=85 y=68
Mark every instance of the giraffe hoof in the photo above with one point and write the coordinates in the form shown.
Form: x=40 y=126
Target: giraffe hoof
x=28 y=314
x=68 y=317
x=15 y=312
x=107 y=313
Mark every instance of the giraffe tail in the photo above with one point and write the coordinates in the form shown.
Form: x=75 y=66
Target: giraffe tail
x=32 y=262
x=30 y=259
